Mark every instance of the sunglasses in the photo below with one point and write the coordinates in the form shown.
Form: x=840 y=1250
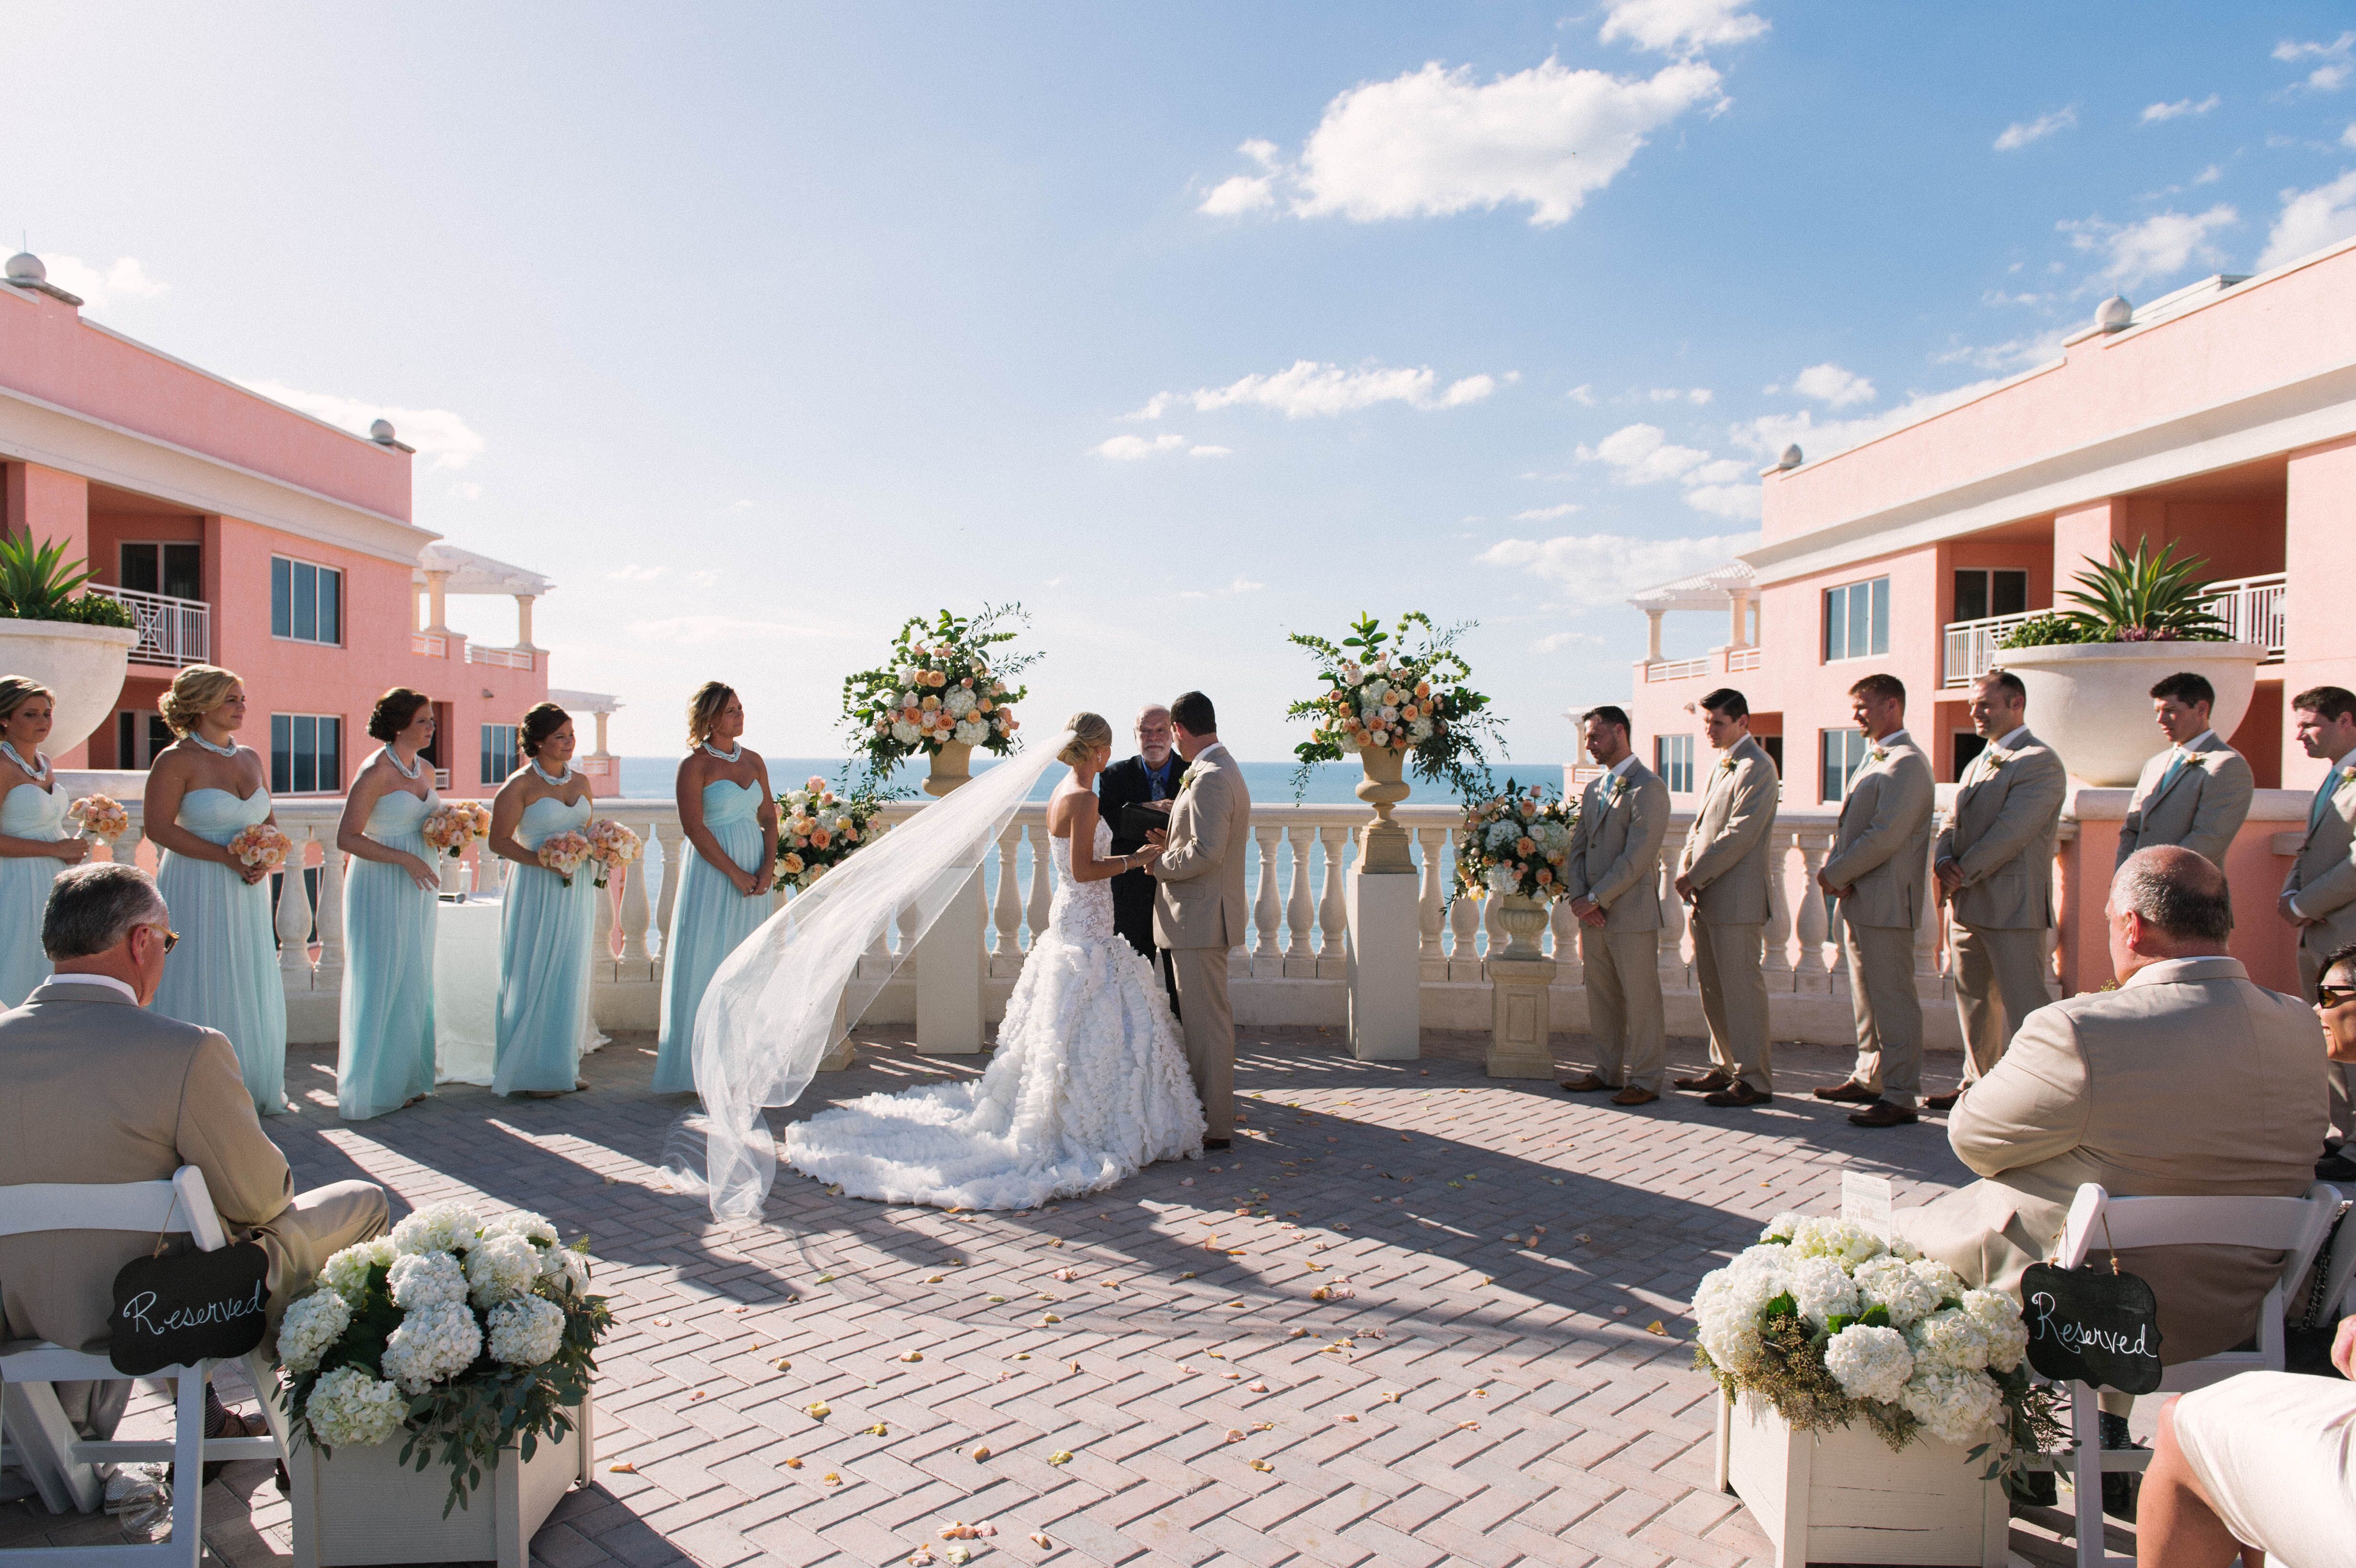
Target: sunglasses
x=2335 y=996
x=171 y=937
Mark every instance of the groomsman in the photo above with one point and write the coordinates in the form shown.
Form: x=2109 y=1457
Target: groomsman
x=2197 y=792
x=1613 y=877
x=1995 y=866
x=1880 y=855
x=1729 y=853
x=2318 y=897
x=1150 y=777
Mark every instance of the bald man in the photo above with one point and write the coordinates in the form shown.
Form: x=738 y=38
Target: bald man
x=1149 y=778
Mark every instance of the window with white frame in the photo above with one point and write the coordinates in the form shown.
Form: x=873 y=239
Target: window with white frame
x=306 y=754
x=1857 y=620
x=1673 y=758
x=306 y=602
x=1844 y=752
x=177 y=570
x=1982 y=593
x=500 y=756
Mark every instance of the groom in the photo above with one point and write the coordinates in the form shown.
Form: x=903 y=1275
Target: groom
x=1199 y=907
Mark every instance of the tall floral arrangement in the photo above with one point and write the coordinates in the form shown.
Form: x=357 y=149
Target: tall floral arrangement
x=1515 y=843
x=817 y=829
x=1401 y=690
x=469 y=1336
x=946 y=683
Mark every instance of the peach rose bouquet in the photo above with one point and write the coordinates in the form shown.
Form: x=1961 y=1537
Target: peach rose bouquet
x=613 y=847
x=817 y=829
x=455 y=825
x=101 y=817
x=564 y=853
x=261 y=845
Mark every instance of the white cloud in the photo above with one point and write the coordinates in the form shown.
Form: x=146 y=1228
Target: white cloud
x=1246 y=193
x=1240 y=585
x=2020 y=133
x=1642 y=454
x=1555 y=642
x=1599 y=569
x=1770 y=433
x=2013 y=353
x=102 y=288
x=466 y=490
x=699 y=630
x=2335 y=65
x=1129 y=448
x=2347 y=138
x=1207 y=451
x=2155 y=112
x=1832 y=386
x=1307 y=390
x=440 y=436
x=2158 y=247
x=1546 y=514
x=2213 y=174
x=1585 y=394
x=1727 y=500
x=2310 y=220
x=632 y=571
x=1694 y=395
x=1681 y=26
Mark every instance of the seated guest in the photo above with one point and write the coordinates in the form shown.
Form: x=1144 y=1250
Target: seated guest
x=2187 y=1081
x=100 y=1091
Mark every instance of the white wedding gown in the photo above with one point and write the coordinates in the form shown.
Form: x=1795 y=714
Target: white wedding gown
x=1088 y=1085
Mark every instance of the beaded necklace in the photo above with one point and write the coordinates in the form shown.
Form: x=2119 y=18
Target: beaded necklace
x=725 y=756
x=227 y=751
x=410 y=772
x=552 y=783
x=39 y=774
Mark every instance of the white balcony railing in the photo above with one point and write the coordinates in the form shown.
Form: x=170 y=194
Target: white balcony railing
x=1739 y=661
x=505 y=659
x=1675 y=669
x=2252 y=609
x=429 y=645
x=1972 y=645
x=171 y=631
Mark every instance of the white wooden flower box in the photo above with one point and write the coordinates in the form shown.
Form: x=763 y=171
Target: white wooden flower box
x=363 y=1506
x=1845 y=1496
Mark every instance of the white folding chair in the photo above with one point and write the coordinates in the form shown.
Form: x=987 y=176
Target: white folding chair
x=2296 y=1226
x=61 y=1465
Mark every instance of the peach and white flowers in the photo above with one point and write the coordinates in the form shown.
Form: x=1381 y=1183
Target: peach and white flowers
x=817 y=829
x=564 y=853
x=943 y=687
x=1515 y=843
x=101 y=817
x=261 y=845
x=1382 y=696
x=456 y=824
x=613 y=847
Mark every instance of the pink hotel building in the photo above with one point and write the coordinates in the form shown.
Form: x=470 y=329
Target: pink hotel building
x=2220 y=418
x=245 y=534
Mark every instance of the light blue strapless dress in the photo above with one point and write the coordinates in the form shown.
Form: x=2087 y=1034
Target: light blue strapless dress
x=544 y=934
x=27 y=811
x=708 y=920
x=386 y=1057
x=224 y=973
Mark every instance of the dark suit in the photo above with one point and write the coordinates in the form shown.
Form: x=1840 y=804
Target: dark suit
x=1122 y=784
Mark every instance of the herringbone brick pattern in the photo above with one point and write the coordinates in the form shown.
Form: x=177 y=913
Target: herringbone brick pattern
x=1416 y=1317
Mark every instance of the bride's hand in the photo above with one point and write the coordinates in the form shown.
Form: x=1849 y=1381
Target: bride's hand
x=1157 y=839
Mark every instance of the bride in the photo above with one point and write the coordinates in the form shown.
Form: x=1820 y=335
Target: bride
x=1087 y=1083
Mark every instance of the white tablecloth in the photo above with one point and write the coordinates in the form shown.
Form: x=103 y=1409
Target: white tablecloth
x=467 y=992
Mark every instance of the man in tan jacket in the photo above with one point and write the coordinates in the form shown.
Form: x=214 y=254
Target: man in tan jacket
x=1994 y=865
x=1613 y=878
x=99 y=1090
x=1722 y=872
x=1199 y=908
x=2197 y=792
x=2318 y=897
x=2187 y=1080
x=1879 y=859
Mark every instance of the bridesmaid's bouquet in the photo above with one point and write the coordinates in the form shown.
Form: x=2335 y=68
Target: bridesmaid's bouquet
x=564 y=853
x=941 y=688
x=1515 y=843
x=817 y=829
x=457 y=824
x=613 y=847
x=102 y=816
x=261 y=845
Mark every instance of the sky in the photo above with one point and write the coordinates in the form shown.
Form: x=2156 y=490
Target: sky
x=761 y=328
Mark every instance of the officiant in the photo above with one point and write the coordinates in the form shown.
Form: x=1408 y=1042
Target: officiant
x=1150 y=779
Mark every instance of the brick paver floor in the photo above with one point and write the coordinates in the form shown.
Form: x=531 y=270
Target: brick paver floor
x=1415 y=1317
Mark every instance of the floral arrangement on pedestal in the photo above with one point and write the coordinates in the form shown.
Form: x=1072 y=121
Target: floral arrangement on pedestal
x=563 y=853
x=2139 y=598
x=456 y=824
x=1515 y=844
x=942 y=687
x=1383 y=693
x=817 y=829
x=102 y=817
x=469 y=1336
x=1831 y=1325
x=261 y=845
x=612 y=847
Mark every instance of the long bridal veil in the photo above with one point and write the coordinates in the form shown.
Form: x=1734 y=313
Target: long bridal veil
x=796 y=986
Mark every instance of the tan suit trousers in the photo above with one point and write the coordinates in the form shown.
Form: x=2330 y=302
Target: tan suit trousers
x=1999 y=980
x=1624 y=1005
x=1734 y=1000
x=1888 y=1017
x=1209 y=1025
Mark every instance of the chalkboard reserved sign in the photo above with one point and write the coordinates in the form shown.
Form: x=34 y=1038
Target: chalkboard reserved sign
x=189 y=1306
x=2092 y=1325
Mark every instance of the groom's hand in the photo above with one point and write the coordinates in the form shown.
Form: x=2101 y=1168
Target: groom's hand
x=1157 y=839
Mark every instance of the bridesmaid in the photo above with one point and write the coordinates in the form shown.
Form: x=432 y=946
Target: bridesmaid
x=731 y=820
x=544 y=931
x=202 y=791
x=386 y=1059
x=34 y=843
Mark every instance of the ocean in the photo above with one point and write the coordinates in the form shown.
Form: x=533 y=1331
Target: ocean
x=1329 y=784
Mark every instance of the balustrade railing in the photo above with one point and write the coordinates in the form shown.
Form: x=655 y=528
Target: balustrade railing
x=505 y=658
x=171 y=631
x=2252 y=609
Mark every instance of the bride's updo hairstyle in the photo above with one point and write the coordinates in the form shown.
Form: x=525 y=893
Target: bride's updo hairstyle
x=1089 y=731
x=544 y=720
x=704 y=707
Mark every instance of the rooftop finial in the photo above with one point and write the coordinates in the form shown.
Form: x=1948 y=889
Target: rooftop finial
x=1791 y=458
x=24 y=267
x=2115 y=313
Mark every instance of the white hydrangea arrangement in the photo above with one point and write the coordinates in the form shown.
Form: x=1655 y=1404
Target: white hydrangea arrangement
x=943 y=686
x=817 y=829
x=1832 y=1324
x=1383 y=695
x=470 y=1336
x=1515 y=843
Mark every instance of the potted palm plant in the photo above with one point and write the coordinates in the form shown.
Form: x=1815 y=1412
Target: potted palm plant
x=75 y=642
x=2089 y=669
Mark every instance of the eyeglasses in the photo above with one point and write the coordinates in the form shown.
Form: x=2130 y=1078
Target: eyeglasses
x=2335 y=996
x=171 y=937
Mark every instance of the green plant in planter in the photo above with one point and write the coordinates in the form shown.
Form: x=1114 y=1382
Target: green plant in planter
x=2046 y=630
x=37 y=583
x=2139 y=598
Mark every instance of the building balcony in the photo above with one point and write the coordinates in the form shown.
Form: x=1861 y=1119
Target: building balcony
x=172 y=632
x=429 y=645
x=1718 y=661
x=504 y=659
x=2251 y=608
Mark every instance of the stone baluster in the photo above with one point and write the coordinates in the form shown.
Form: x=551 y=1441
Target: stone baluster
x=1299 y=963
x=904 y=943
x=1810 y=974
x=1777 y=964
x=1569 y=968
x=1006 y=908
x=330 y=976
x=1333 y=920
x=1043 y=879
x=877 y=960
x=673 y=846
x=1267 y=910
x=1675 y=918
x=294 y=918
x=601 y=947
x=1463 y=928
x=1432 y=904
x=638 y=914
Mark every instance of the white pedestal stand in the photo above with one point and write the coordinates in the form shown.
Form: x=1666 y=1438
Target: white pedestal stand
x=948 y=976
x=1385 y=968
x=1521 y=981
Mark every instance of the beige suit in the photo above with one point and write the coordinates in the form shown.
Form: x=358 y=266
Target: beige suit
x=2201 y=807
x=1880 y=854
x=2322 y=881
x=1200 y=914
x=1729 y=856
x=100 y=1091
x=2187 y=1080
x=1615 y=859
x=2000 y=837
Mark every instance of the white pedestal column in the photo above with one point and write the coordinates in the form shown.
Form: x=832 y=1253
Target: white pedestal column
x=948 y=974
x=1385 y=971
x=1521 y=978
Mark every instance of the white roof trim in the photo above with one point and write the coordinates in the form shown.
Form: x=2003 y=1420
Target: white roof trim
x=585 y=701
x=471 y=573
x=1711 y=589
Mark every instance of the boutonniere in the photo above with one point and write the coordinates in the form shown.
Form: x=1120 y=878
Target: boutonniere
x=1614 y=787
x=2347 y=774
x=1877 y=754
x=1185 y=779
x=1726 y=764
x=1995 y=759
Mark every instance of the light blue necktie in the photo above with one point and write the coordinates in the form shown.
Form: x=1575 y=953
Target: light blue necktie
x=2323 y=794
x=2168 y=778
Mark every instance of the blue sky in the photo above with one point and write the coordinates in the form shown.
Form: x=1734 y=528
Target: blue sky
x=761 y=327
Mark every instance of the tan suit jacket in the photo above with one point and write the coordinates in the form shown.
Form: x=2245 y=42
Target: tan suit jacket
x=1615 y=847
x=2202 y=808
x=2000 y=833
x=2323 y=879
x=1200 y=901
x=2187 y=1081
x=1729 y=850
x=1883 y=845
x=98 y=1091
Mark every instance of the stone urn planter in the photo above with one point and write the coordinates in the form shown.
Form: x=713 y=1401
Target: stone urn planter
x=952 y=765
x=1525 y=920
x=1384 y=850
x=82 y=665
x=2092 y=702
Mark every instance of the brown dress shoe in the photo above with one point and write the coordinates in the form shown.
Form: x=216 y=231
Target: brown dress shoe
x=1586 y=1084
x=1708 y=1083
x=1849 y=1092
x=1882 y=1113
x=1741 y=1093
x=1632 y=1095
x=1941 y=1102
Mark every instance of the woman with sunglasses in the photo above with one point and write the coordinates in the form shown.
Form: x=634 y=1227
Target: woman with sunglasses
x=34 y=842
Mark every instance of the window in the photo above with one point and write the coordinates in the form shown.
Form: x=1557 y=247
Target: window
x=1844 y=753
x=138 y=736
x=306 y=754
x=1857 y=620
x=1980 y=594
x=1968 y=744
x=306 y=602
x=1673 y=760
x=171 y=568
x=500 y=756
